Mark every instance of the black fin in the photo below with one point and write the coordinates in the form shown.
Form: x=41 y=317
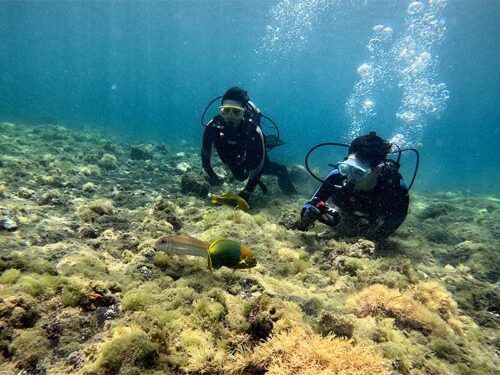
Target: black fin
x=271 y=140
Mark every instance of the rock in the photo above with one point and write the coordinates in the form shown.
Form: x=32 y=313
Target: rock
x=140 y=153
x=51 y=198
x=362 y=249
x=194 y=183
x=8 y=224
x=299 y=175
x=145 y=272
x=108 y=161
x=25 y=193
x=183 y=166
x=105 y=313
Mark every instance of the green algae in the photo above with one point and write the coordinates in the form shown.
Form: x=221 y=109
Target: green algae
x=131 y=348
x=135 y=301
x=10 y=276
x=43 y=286
x=29 y=346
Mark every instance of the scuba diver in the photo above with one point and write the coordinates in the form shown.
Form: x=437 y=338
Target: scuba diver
x=369 y=194
x=241 y=145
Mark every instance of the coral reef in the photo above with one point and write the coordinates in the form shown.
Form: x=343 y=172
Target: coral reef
x=82 y=290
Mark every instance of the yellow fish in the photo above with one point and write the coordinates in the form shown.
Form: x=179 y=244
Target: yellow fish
x=230 y=199
x=219 y=253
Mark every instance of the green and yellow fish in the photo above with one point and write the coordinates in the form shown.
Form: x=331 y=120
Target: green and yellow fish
x=219 y=253
x=230 y=199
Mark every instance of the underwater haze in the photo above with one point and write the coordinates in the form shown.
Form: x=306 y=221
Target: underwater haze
x=147 y=70
x=122 y=254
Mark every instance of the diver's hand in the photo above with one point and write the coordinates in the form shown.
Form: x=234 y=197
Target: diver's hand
x=308 y=216
x=245 y=195
x=329 y=216
x=214 y=180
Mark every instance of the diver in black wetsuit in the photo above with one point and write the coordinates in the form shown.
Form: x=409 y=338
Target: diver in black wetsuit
x=370 y=195
x=240 y=143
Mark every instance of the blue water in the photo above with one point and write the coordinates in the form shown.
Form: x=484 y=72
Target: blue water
x=147 y=69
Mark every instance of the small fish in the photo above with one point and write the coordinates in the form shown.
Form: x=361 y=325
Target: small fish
x=230 y=199
x=219 y=253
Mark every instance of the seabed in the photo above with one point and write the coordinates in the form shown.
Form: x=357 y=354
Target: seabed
x=84 y=292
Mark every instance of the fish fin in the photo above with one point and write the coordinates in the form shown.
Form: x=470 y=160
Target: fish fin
x=210 y=266
x=209 y=258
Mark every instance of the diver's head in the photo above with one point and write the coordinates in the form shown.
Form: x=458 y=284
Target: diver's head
x=371 y=149
x=366 y=154
x=233 y=104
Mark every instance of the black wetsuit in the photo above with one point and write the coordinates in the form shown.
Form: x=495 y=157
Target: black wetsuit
x=243 y=150
x=373 y=214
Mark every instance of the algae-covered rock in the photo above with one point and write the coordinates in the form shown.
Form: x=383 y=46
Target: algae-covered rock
x=51 y=197
x=194 y=183
x=338 y=324
x=88 y=187
x=135 y=301
x=141 y=152
x=86 y=262
x=28 y=347
x=266 y=314
x=108 y=161
x=168 y=210
x=129 y=347
x=92 y=210
x=10 y=276
x=20 y=311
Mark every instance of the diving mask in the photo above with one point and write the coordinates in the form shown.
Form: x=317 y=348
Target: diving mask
x=353 y=169
x=231 y=111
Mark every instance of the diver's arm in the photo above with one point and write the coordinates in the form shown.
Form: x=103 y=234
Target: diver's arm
x=254 y=175
x=206 y=150
x=327 y=189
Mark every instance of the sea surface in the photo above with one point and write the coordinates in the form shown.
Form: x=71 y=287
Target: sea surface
x=323 y=70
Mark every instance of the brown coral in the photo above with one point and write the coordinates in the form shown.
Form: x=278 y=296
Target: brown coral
x=296 y=351
x=379 y=300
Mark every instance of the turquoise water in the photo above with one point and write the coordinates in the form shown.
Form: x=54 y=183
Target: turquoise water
x=146 y=70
